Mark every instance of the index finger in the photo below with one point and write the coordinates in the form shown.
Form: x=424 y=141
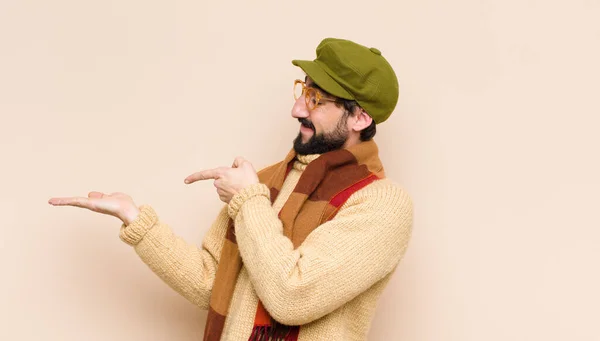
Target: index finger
x=214 y=173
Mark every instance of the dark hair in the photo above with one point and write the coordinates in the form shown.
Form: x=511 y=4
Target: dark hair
x=350 y=107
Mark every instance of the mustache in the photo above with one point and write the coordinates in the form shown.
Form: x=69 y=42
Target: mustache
x=305 y=122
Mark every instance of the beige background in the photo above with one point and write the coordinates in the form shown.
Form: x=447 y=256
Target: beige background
x=495 y=137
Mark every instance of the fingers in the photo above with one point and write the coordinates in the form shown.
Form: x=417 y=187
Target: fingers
x=70 y=201
x=222 y=195
x=77 y=201
x=238 y=162
x=96 y=202
x=214 y=173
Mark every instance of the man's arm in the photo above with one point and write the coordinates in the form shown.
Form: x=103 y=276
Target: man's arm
x=187 y=269
x=338 y=260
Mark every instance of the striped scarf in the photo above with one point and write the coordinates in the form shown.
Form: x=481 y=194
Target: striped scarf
x=323 y=187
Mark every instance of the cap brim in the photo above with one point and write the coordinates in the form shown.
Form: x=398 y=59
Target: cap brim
x=322 y=78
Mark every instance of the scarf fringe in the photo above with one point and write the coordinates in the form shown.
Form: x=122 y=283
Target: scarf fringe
x=277 y=332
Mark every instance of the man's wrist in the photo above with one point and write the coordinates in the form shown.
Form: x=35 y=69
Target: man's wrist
x=135 y=231
x=130 y=215
x=248 y=192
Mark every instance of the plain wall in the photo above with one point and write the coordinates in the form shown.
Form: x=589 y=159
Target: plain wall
x=494 y=136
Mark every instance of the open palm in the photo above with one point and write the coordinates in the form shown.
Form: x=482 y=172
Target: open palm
x=119 y=205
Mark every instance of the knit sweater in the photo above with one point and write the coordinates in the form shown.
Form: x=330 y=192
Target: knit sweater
x=329 y=285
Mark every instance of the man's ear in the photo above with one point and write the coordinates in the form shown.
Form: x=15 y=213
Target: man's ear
x=360 y=120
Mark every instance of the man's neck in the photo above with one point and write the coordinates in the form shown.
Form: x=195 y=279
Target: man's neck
x=353 y=139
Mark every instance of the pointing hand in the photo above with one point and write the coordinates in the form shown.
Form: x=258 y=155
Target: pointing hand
x=228 y=180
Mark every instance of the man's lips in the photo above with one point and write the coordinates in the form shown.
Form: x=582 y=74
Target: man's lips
x=305 y=129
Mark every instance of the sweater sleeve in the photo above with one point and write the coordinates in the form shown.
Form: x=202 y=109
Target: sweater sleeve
x=186 y=268
x=337 y=261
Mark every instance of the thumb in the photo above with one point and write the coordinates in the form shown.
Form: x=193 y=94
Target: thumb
x=239 y=161
x=95 y=195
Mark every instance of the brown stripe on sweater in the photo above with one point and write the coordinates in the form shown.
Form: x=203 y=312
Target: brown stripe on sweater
x=329 y=180
x=368 y=154
x=290 y=210
x=336 y=202
x=340 y=198
x=310 y=215
x=315 y=171
x=339 y=178
x=221 y=294
x=274 y=193
x=230 y=235
x=274 y=175
x=214 y=325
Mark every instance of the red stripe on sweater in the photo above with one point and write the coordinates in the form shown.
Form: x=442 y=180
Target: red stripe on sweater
x=340 y=198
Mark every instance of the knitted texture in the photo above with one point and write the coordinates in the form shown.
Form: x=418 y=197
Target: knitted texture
x=329 y=284
x=323 y=187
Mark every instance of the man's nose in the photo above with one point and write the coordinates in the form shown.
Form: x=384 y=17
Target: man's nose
x=299 y=110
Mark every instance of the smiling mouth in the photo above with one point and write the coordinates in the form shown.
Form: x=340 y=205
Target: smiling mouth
x=307 y=127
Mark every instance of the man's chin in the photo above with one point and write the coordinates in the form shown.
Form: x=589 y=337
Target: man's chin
x=304 y=139
x=300 y=143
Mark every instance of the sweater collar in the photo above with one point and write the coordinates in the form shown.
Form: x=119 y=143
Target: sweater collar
x=303 y=160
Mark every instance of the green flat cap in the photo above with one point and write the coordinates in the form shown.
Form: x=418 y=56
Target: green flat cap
x=352 y=71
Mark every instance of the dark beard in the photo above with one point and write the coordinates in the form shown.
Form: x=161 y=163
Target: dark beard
x=322 y=143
